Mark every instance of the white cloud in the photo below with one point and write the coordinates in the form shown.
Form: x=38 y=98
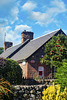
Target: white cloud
x=12 y=35
x=14 y=12
x=15 y=36
x=60 y=4
x=9 y=11
x=29 y=6
x=41 y=18
x=49 y=15
x=3 y=22
x=20 y=28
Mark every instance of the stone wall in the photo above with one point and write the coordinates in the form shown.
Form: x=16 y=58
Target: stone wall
x=33 y=92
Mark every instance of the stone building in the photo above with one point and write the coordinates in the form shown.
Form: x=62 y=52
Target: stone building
x=28 y=54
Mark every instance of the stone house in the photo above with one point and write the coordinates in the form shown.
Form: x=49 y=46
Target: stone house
x=28 y=54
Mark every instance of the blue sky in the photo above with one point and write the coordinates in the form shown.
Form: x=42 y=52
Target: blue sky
x=39 y=16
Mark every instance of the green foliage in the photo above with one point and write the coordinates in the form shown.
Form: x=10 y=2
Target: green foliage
x=6 y=90
x=11 y=72
x=2 y=62
x=2 y=66
x=61 y=75
x=55 y=50
x=1 y=50
x=55 y=55
x=53 y=93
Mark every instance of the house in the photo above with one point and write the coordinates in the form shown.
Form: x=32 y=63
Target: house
x=28 y=54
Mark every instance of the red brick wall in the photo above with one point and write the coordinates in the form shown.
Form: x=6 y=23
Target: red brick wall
x=33 y=72
x=30 y=70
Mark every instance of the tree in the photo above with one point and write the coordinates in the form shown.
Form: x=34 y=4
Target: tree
x=56 y=55
x=61 y=74
x=1 y=50
x=55 y=50
x=2 y=65
x=11 y=71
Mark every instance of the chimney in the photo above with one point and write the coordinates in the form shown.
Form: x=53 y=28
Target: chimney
x=26 y=35
x=7 y=45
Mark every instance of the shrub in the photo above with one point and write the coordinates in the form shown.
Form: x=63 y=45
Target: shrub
x=6 y=90
x=11 y=71
x=53 y=93
x=1 y=49
x=61 y=75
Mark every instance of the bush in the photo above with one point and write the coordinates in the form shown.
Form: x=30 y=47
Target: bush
x=61 y=75
x=53 y=93
x=6 y=90
x=1 y=49
x=11 y=71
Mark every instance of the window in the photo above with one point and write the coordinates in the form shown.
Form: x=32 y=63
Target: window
x=40 y=73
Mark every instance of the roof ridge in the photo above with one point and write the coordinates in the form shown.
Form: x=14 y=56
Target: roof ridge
x=46 y=34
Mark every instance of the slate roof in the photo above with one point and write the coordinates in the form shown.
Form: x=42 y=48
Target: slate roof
x=10 y=51
x=23 y=51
